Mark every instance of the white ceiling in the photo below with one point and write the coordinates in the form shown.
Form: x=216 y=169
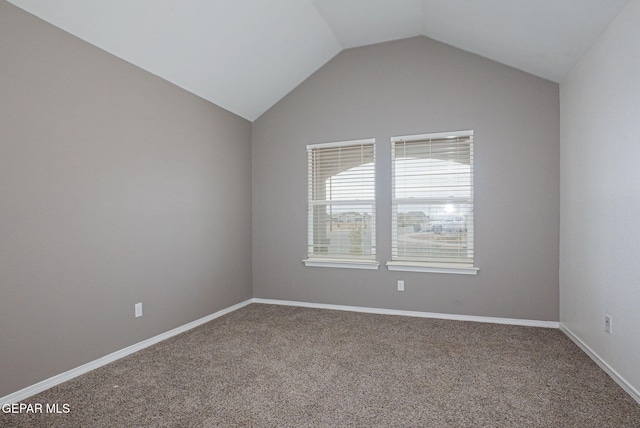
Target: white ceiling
x=245 y=55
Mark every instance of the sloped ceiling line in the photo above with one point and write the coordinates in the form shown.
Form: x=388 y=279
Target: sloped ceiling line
x=245 y=55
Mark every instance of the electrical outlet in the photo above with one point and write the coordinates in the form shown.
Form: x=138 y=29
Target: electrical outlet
x=607 y=324
x=138 y=309
x=400 y=285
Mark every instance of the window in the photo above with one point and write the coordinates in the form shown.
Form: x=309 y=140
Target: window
x=432 y=203
x=341 y=204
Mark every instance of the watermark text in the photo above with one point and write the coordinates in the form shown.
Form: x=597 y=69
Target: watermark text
x=32 y=408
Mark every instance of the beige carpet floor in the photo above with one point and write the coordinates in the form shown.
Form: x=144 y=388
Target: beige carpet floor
x=278 y=366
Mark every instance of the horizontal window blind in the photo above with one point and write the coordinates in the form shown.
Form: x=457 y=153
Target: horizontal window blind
x=432 y=201
x=341 y=206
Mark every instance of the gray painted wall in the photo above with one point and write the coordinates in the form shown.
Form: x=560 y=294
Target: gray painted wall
x=600 y=186
x=116 y=187
x=408 y=87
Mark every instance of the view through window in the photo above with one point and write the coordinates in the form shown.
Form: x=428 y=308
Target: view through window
x=432 y=203
x=341 y=200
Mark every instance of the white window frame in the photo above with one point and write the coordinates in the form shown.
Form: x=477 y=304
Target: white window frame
x=314 y=259
x=397 y=263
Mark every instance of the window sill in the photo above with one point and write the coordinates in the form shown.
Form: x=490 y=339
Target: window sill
x=337 y=263
x=424 y=267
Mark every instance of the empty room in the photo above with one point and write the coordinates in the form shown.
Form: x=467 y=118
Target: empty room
x=320 y=213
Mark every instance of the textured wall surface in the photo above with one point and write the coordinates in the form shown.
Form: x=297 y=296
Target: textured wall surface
x=416 y=86
x=600 y=187
x=116 y=187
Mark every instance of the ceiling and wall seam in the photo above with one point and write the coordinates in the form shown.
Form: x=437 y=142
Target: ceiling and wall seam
x=246 y=56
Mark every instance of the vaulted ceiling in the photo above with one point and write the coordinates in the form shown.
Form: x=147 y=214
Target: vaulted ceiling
x=245 y=55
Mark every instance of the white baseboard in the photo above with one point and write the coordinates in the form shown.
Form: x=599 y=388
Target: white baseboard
x=509 y=321
x=633 y=392
x=63 y=377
